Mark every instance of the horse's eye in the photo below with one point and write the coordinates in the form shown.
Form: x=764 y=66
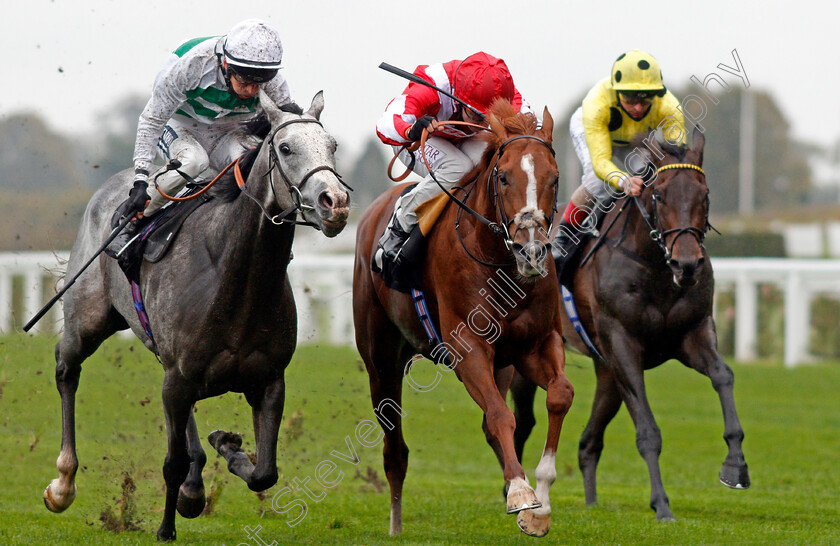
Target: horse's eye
x=285 y=149
x=503 y=179
x=657 y=196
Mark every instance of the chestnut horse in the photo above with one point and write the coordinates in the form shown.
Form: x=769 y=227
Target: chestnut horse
x=645 y=297
x=484 y=332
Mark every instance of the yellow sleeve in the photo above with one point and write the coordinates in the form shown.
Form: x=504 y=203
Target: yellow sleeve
x=596 y=119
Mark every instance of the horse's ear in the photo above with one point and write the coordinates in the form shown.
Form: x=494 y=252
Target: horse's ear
x=698 y=141
x=497 y=127
x=317 y=106
x=274 y=114
x=547 y=125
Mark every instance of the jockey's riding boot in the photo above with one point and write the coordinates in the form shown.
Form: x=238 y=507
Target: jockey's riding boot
x=122 y=240
x=564 y=245
x=390 y=243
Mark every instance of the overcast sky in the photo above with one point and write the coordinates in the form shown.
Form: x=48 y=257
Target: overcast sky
x=70 y=59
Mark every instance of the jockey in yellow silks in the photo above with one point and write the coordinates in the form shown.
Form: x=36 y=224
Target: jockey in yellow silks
x=630 y=103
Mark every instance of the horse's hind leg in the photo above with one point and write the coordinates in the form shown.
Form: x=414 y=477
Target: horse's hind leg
x=386 y=397
x=606 y=404
x=267 y=410
x=699 y=351
x=191 y=493
x=70 y=352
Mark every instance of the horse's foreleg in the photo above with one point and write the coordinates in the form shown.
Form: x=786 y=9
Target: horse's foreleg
x=267 y=410
x=61 y=492
x=386 y=397
x=267 y=415
x=699 y=351
x=177 y=407
x=605 y=406
x=503 y=377
x=475 y=372
x=191 y=493
x=546 y=370
x=630 y=378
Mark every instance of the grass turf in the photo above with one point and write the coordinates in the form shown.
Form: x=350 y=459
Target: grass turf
x=453 y=488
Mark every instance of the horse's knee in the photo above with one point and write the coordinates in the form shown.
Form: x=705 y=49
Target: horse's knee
x=263 y=482
x=721 y=375
x=559 y=395
x=175 y=469
x=500 y=419
x=648 y=440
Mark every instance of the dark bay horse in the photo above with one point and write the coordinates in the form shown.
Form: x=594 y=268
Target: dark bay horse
x=492 y=318
x=221 y=309
x=645 y=297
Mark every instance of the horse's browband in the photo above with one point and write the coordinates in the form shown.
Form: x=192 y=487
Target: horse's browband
x=680 y=166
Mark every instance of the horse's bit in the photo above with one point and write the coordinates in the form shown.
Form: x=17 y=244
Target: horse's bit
x=657 y=234
x=294 y=191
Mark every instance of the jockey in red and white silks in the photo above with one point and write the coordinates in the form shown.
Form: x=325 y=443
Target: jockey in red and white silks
x=478 y=80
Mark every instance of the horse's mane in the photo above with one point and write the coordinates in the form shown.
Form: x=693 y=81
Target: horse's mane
x=226 y=188
x=505 y=122
x=642 y=141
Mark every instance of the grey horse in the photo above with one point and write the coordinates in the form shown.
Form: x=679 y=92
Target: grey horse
x=220 y=306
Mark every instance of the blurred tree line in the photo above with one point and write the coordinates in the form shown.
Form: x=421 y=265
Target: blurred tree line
x=46 y=178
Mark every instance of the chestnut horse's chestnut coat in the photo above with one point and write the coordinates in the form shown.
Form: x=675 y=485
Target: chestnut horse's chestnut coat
x=491 y=319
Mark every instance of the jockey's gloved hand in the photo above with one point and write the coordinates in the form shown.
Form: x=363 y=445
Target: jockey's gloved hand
x=416 y=130
x=139 y=196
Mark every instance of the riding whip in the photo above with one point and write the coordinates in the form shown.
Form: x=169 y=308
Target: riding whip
x=417 y=79
x=116 y=231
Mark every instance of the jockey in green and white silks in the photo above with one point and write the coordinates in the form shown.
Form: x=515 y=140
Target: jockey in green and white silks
x=206 y=91
x=195 y=114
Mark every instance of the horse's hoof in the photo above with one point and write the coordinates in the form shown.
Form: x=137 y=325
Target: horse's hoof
x=166 y=535
x=190 y=506
x=218 y=438
x=735 y=476
x=523 y=499
x=665 y=514
x=533 y=523
x=60 y=504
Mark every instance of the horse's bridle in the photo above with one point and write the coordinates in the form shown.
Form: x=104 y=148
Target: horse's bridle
x=493 y=178
x=657 y=234
x=294 y=191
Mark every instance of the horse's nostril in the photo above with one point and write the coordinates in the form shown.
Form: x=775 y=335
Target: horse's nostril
x=325 y=200
x=673 y=263
x=701 y=261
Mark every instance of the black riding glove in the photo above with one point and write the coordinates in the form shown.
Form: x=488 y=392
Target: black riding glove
x=416 y=130
x=138 y=196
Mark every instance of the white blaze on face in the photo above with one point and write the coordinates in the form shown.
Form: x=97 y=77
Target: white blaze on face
x=531 y=193
x=527 y=165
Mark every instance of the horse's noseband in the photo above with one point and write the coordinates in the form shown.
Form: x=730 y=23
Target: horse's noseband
x=657 y=234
